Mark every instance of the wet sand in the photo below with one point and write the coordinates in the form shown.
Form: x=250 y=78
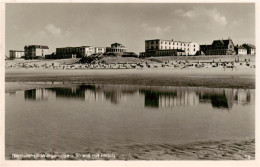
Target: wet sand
x=210 y=150
x=240 y=78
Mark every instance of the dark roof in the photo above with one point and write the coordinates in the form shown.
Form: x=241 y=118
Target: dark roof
x=249 y=45
x=116 y=43
x=241 y=47
x=152 y=39
x=16 y=50
x=37 y=46
x=223 y=42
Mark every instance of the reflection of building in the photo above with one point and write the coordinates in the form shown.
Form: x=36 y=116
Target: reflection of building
x=151 y=98
x=73 y=92
x=36 y=94
x=30 y=94
x=35 y=51
x=116 y=48
x=113 y=95
x=243 y=96
x=170 y=98
x=16 y=54
x=156 y=97
x=183 y=98
x=219 y=98
x=219 y=47
x=91 y=95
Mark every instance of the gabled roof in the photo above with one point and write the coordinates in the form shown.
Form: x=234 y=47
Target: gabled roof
x=223 y=42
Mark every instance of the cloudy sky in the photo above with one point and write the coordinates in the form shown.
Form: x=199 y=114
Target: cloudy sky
x=61 y=25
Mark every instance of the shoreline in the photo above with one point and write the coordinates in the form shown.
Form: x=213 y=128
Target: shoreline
x=212 y=78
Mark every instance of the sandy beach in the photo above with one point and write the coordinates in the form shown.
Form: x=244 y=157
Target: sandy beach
x=212 y=77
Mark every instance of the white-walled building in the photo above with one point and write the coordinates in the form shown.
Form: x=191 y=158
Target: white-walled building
x=89 y=50
x=250 y=48
x=116 y=48
x=35 y=51
x=16 y=54
x=189 y=48
x=80 y=51
x=240 y=50
x=100 y=50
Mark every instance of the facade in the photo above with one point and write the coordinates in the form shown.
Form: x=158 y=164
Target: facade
x=116 y=48
x=100 y=50
x=160 y=47
x=72 y=52
x=219 y=47
x=35 y=51
x=240 y=50
x=16 y=54
x=89 y=50
x=250 y=48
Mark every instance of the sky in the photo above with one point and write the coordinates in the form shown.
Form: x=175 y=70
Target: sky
x=100 y=24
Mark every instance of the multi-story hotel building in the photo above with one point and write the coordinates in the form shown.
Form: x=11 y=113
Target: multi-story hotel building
x=160 y=47
x=116 y=48
x=16 y=54
x=35 y=51
x=75 y=52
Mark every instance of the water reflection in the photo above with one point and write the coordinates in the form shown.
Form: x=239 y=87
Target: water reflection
x=36 y=94
x=155 y=97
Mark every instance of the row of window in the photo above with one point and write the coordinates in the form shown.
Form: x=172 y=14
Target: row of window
x=170 y=43
x=156 y=47
x=68 y=49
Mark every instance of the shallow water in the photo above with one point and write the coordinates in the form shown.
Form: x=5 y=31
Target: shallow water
x=89 y=118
